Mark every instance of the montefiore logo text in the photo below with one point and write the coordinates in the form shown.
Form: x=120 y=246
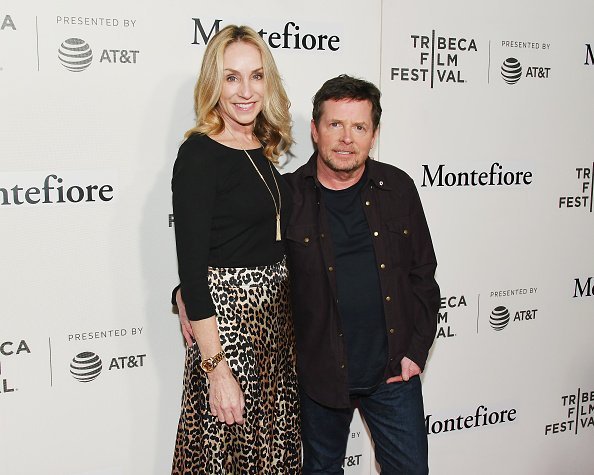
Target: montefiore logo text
x=54 y=189
x=481 y=417
x=495 y=176
x=290 y=36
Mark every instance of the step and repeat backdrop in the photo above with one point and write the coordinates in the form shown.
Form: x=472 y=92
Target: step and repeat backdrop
x=488 y=107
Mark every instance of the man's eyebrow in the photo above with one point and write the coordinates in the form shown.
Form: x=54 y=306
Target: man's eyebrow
x=340 y=121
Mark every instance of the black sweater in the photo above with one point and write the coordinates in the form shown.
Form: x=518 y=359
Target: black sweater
x=224 y=215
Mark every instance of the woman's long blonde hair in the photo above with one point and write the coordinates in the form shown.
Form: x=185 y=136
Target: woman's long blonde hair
x=273 y=123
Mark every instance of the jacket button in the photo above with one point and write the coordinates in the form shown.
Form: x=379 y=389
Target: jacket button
x=340 y=334
x=341 y=366
x=375 y=233
x=306 y=240
x=405 y=232
x=392 y=331
x=381 y=183
x=388 y=298
x=330 y=268
x=382 y=266
x=367 y=203
x=322 y=235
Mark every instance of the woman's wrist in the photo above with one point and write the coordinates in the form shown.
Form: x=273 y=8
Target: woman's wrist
x=222 y=371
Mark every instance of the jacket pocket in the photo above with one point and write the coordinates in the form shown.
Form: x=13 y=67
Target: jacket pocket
x=303 y=249
x=400 y=235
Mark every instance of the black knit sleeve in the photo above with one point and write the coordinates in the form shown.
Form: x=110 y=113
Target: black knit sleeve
x=194 y=192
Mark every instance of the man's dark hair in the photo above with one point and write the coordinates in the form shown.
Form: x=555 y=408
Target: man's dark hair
x=346 y=87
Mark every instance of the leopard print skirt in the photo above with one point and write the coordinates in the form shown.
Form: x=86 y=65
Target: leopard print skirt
x=256 y=332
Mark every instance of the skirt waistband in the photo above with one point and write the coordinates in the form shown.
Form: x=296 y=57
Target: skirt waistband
x=249 y=276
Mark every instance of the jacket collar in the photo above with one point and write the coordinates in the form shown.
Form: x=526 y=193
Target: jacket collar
x=374 y=174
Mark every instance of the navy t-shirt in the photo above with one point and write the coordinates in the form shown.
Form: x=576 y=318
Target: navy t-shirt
x=358 y=286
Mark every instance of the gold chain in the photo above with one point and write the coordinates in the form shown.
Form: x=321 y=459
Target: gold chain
x=277 y=209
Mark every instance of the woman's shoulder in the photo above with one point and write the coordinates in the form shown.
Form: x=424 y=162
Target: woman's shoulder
x=201 y=154
x=199 y=149
x=194 y=155
x=206 y=147
x=197 y=143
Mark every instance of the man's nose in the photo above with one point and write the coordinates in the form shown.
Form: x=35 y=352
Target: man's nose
x=346 y=135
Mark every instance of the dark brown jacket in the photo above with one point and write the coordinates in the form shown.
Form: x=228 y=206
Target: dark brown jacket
x=406 y=266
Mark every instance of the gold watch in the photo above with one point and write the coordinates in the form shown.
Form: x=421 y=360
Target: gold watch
x=209 y=364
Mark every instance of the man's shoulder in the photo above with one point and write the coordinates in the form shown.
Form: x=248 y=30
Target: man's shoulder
x=396 y=177
x=393 y=176
x=297 y=176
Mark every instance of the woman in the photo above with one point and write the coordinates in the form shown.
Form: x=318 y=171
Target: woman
x=240 y=403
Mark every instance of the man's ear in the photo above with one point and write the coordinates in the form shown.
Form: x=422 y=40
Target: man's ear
x=375 y=135
x=314 y=131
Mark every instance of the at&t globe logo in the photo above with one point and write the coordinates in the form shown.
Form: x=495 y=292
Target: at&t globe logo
x=499 y=318
x=75 y=54
x=511 y=70
x=86 y=366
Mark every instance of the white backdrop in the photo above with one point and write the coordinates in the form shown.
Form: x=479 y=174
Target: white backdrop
x=88 y=256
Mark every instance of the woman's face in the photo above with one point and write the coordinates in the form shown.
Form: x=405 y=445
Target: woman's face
x=243 y=85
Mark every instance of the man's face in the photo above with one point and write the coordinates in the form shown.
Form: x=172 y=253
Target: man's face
x=344 y=135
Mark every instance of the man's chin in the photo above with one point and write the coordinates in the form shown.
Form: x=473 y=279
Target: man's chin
x=343 y=167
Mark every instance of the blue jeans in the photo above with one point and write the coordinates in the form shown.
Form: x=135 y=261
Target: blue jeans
x=395 y=417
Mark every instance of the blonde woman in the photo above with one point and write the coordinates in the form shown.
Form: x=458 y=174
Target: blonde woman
x=240 y=411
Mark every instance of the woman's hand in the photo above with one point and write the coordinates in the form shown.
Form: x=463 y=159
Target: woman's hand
x=225 y=396
x=184 y=322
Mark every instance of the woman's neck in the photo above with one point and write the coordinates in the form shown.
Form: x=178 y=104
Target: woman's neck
x=238 y=136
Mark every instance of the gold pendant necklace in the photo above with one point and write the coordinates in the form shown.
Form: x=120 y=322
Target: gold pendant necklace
x=277 y=209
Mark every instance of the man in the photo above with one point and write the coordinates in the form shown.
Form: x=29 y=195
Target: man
x=364 y=296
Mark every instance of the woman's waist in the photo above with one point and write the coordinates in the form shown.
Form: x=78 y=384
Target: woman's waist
x=249 y=276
